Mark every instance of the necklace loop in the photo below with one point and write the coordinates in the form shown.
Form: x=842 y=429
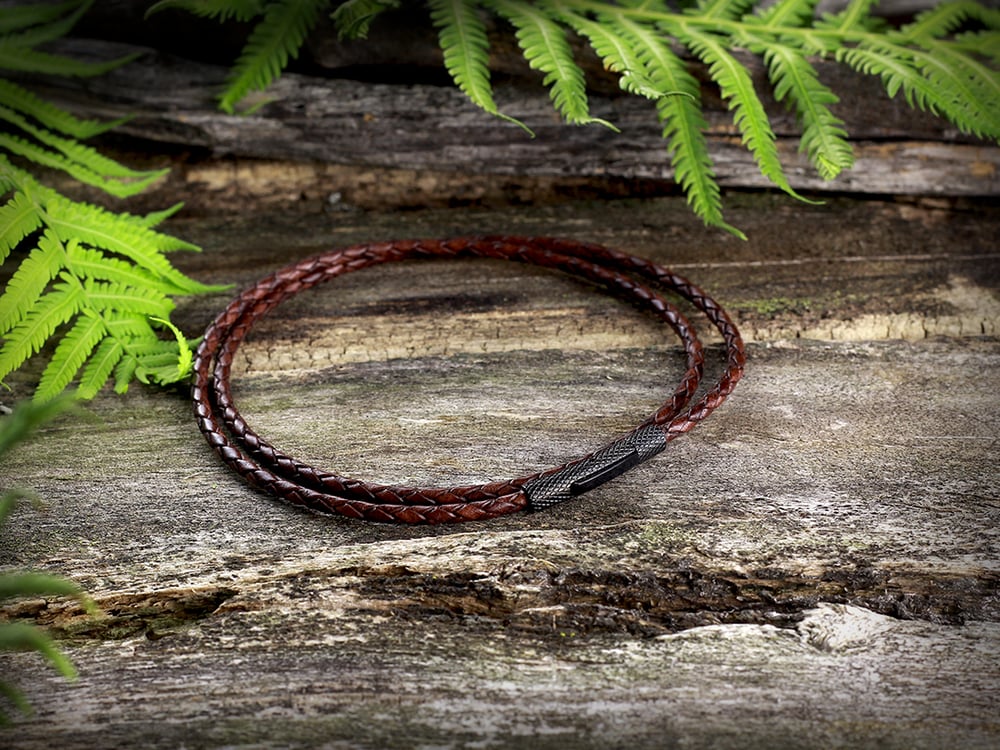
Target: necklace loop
x=626 y=276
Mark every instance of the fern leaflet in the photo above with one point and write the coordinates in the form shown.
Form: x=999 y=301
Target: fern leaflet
x=682 y=119
x=72 y=351
x=748 y=112
x=29 y=281
x=38 y=325
x=462 y=35
x=23 y=101
x=93 y=279
x=354 y=18
x=239 y=10
x=274 y=40
x=614 y=50
x=17 y=18
x=823 y=136
x=18 y=219
x=544 y=45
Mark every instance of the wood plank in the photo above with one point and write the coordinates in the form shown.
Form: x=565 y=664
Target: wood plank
x=800 y=570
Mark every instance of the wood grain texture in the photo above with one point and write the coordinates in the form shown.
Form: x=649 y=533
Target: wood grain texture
x=814 y=566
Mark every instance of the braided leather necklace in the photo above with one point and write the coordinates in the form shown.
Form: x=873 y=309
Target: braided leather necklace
x=626 y=276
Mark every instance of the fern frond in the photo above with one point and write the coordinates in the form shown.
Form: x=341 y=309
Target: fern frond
x=956 y=90
x=944 y=19
x=29 y=281
x=19 y=217
x=19 y=636
x=16 y=18
x=748 y=112
x=28 y=60
x=100 y=228
x=84 y=262
x=681 y=117
x=354 y=18
x=545 y=47
x=73 y=350
x=984 y=44
x=725 y=10
x=99 y=367
x=222 y=10
x=95 y=278
x=855 y=17
x=824 y=139
x=23 y=101
x=52 y=310
x=969 y=92
x=185 y=357
x=614 y=50
x=155 y=218
x=794 y=13
x=462 y=36
x=80 y=170
x=92 y=166
x=54 y=27
x=124 y=372
x=110 y=295
x=152 y=361
x=275 y=40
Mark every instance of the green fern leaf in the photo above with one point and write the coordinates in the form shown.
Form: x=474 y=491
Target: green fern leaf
x=354 y=18
x=968 y=92
x=51 y=311
x=823 y=136
x=79 y=170
x=28 y=60
x=462 y=36
x=748 y=112
x=26 y=103
x=968 y=104
x=46 y=31
x=156 y=218
x=99 y=367
x=222 y=10
x=29 y=281
x=614 y=50
x=17 y=18
x=124 y=372
x=274 y=40
x=682 y=119
x=185 y=357
x=109 y=295
x=73 y=350
x=855 y=17
x=784 y=13
x=101 y=169
x=100 y=228
x=945 y=18
x=984 y=44
x=87 y=263
x=544 y=45
x=725 y=10
x=19 y=217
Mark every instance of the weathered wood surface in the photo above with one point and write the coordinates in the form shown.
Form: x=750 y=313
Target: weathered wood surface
x=815 y=566
x=420 y=125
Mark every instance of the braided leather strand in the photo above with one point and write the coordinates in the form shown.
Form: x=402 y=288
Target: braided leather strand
x=266 y=468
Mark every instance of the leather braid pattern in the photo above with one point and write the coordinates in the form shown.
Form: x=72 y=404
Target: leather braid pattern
x=265 y=467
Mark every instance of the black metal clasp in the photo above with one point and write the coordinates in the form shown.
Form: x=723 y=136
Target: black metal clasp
x=601 y=466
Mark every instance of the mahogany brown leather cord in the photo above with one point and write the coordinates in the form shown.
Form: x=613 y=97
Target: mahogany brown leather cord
x=626 y=276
